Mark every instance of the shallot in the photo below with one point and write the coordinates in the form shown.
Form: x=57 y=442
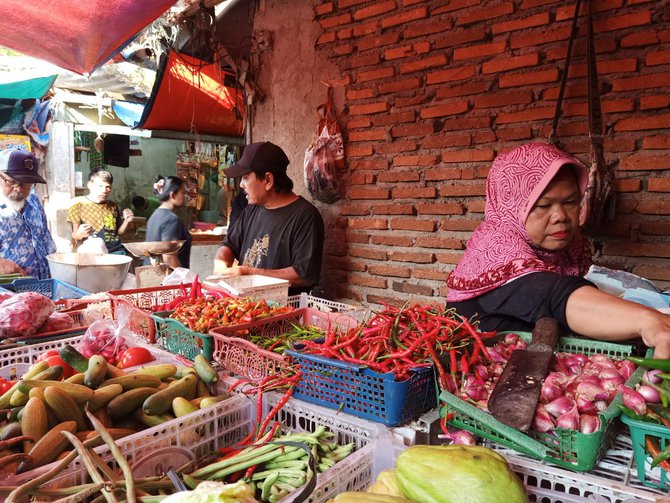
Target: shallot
x=633 y=400
x=649 y=393
x=549 y=393
x=588 y=423
x=651 y=376
x=560 y=406
x=569 y=420
x=542 y=421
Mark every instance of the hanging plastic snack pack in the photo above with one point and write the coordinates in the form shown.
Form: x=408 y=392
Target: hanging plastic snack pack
x=108 y=337
x=325 y=156
x=24 y=313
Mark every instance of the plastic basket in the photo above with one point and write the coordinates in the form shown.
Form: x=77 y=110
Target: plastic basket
x=327 y=306
x=256 y=286
x=51 y=288
x=244 y=358
x=362 y=392
x=568 y=448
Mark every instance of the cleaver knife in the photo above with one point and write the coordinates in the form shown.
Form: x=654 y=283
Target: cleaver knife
x=515 y=396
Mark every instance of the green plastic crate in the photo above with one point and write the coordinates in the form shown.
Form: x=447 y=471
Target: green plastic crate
x=173 y=336
x=567 y=448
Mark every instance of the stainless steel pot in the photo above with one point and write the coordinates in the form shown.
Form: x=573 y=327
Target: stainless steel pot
x=93 y=273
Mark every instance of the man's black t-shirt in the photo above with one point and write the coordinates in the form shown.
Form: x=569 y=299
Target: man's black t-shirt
x=164 y=225
x=290 y=236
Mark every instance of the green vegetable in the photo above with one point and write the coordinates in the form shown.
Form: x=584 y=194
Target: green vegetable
x=456 y=474
x=664 y=412
x=664 y=455
x=73 y=358
x=651 y=363
x=629 y=413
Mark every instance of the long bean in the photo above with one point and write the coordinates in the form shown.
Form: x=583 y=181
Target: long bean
x=90 y=466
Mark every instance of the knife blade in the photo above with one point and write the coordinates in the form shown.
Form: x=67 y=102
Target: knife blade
x=515 y=396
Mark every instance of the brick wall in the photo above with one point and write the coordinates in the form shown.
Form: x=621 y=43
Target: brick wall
x=435 y=89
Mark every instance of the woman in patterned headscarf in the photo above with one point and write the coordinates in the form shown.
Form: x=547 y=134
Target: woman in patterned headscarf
x=527 y=259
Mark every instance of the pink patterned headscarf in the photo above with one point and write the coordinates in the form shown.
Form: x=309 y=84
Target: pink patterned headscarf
x=500 y=248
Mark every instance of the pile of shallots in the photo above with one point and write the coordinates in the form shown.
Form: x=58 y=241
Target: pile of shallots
x=577 y=388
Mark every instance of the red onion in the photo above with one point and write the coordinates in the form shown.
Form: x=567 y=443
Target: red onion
x=588 y=423
x=585 y=406
x=650 y=394
x=603 y=361
x=591 y=391
x=626 y=369
x=651 y=376
x=495 y=355
x=462 y=437
x=560 y=406
x=561 y=380
x=600 y=405
x=542 y=421
x=569 y=420
x=549 y=393
x=482 y=372
x=633 y=400
x=511 y=339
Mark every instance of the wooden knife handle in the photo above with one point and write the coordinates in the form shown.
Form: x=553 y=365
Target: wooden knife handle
x=545 y=334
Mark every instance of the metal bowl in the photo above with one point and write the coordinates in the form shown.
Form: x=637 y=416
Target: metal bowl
x=152 y=248
x=90 y=272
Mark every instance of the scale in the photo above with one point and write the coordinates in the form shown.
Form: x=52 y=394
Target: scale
x=153 y=275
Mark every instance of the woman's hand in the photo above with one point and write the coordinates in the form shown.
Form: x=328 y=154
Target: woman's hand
x=9 y=267
x=229 y=272
x=655 y=333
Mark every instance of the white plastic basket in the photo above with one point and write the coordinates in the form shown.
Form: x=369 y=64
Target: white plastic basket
x=327 y=306
x=256 y=285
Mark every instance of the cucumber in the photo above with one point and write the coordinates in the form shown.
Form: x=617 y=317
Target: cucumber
x=120 y=406
x=74 y=358
x=96 y=371
x=161 y=401
x=204 y=370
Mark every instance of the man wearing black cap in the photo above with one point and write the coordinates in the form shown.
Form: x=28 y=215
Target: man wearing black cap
x=25 y=240
x=280 y=234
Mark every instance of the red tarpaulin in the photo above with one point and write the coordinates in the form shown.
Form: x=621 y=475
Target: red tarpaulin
x=75 y=35
x=189 y=95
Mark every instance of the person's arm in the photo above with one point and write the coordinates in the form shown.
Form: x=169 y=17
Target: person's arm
x=593 y=313
x=128 y=217
x=287 y=273
x=81 y=231
x=224 y=258
x=9 y=267
x=172 y=260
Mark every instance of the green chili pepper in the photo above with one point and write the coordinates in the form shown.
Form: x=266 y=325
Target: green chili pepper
x=664 y=455
x=629 y=413
x=651 y=363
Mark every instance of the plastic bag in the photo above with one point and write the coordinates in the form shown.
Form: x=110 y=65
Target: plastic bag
x=93 y=245
x=178 y=276
x=24 y=313
x=107 y=337
x=56 y=322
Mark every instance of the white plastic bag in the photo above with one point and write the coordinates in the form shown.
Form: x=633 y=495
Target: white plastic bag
x=94 y=245
x=107 y=337
x=24 y=314
x=178 y=276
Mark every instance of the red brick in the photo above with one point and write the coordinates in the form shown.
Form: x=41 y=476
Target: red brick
x=450 y=75
x=458 y=38
x=361 y=179
x=619 y=145
x=407 y=224
x=659 y=121
x=353 y=210
x=364 y=60
x=364 y=29
x=447 y=140
x=501 y=99
x=411 y=100
x=396 y=146
x=510 y=63
x=622 y=22
x=378 y=74
x=629 y=185
x=476 y=206
x=414 y=192
x=407 y=51
x=568 y=12
x=572 y=90
x=324 y=8
x=399 y=86
x=387 y=270
x=455 y=5
x=343 y=4
x=454 y=108
x=366 y=281
x=640 y=82
x=656 y=101
x=521 y=24
x=423 y=64
x=604 y=44
x=373 y=134
x=653 y=207
x=514 y=133
x=524 y=79
x=369 y=108
x=357 y=150
x=423 y=29
x=655 y=228
x=342 y=50
x=399 y=118
x=415 y=160
x=470 y=89
x=463 y=189
x=658 y=185
x=371 y=164
x=484 y=137
x=346 y=264
x=572 y=109
x=404 y=17
x=613 y=106
x=477 y=51
x=387 y=38
x=638 y=249
x=658 y=141
x=440 y=209
x=658 y=272
x=459 y=225
x=393 y=209
x=412 y=130
x=469 y=155
x=530 y=114
x=527 y=4
x=374 y=10
x=616 y=66
x=407 y=3
x=430 y=274
x=449 y=258
x=358 y=123
x=392 y=240
x=385 y=300
x=483 y=171
x=345 y=34
x=369 y=194
x=488 y=12
x=368 y=223
x=448 y=174
x=331 y=22
x=637 y=162
x=360 y=94
x=467 y=124
x=520 y=40
x=640 y=38
x=657 y=58
x=412 y=288
x=417 y=258
x=399 y=176
x=438 y=242
x=326 y=38
x=369 y=253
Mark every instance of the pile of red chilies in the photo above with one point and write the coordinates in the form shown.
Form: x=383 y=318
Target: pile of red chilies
x=398 y=340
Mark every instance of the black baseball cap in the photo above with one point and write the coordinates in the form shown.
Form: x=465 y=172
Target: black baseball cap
x=259 y=158
x=20 y=165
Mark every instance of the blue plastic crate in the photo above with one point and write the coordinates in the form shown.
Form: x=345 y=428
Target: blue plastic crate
x=52 y=288
x=361 y=392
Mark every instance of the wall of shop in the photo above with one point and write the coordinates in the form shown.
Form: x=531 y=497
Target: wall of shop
x=434 y=90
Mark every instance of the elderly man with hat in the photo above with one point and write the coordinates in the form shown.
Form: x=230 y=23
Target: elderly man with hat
x=279 y=234
x=25 y=240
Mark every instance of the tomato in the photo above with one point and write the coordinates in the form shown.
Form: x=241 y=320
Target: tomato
x=48 y=354
x=54 y=360
x=134 y=356
x=5 y=385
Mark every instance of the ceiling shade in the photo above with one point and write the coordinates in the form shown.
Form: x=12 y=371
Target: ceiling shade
x=75 y=35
